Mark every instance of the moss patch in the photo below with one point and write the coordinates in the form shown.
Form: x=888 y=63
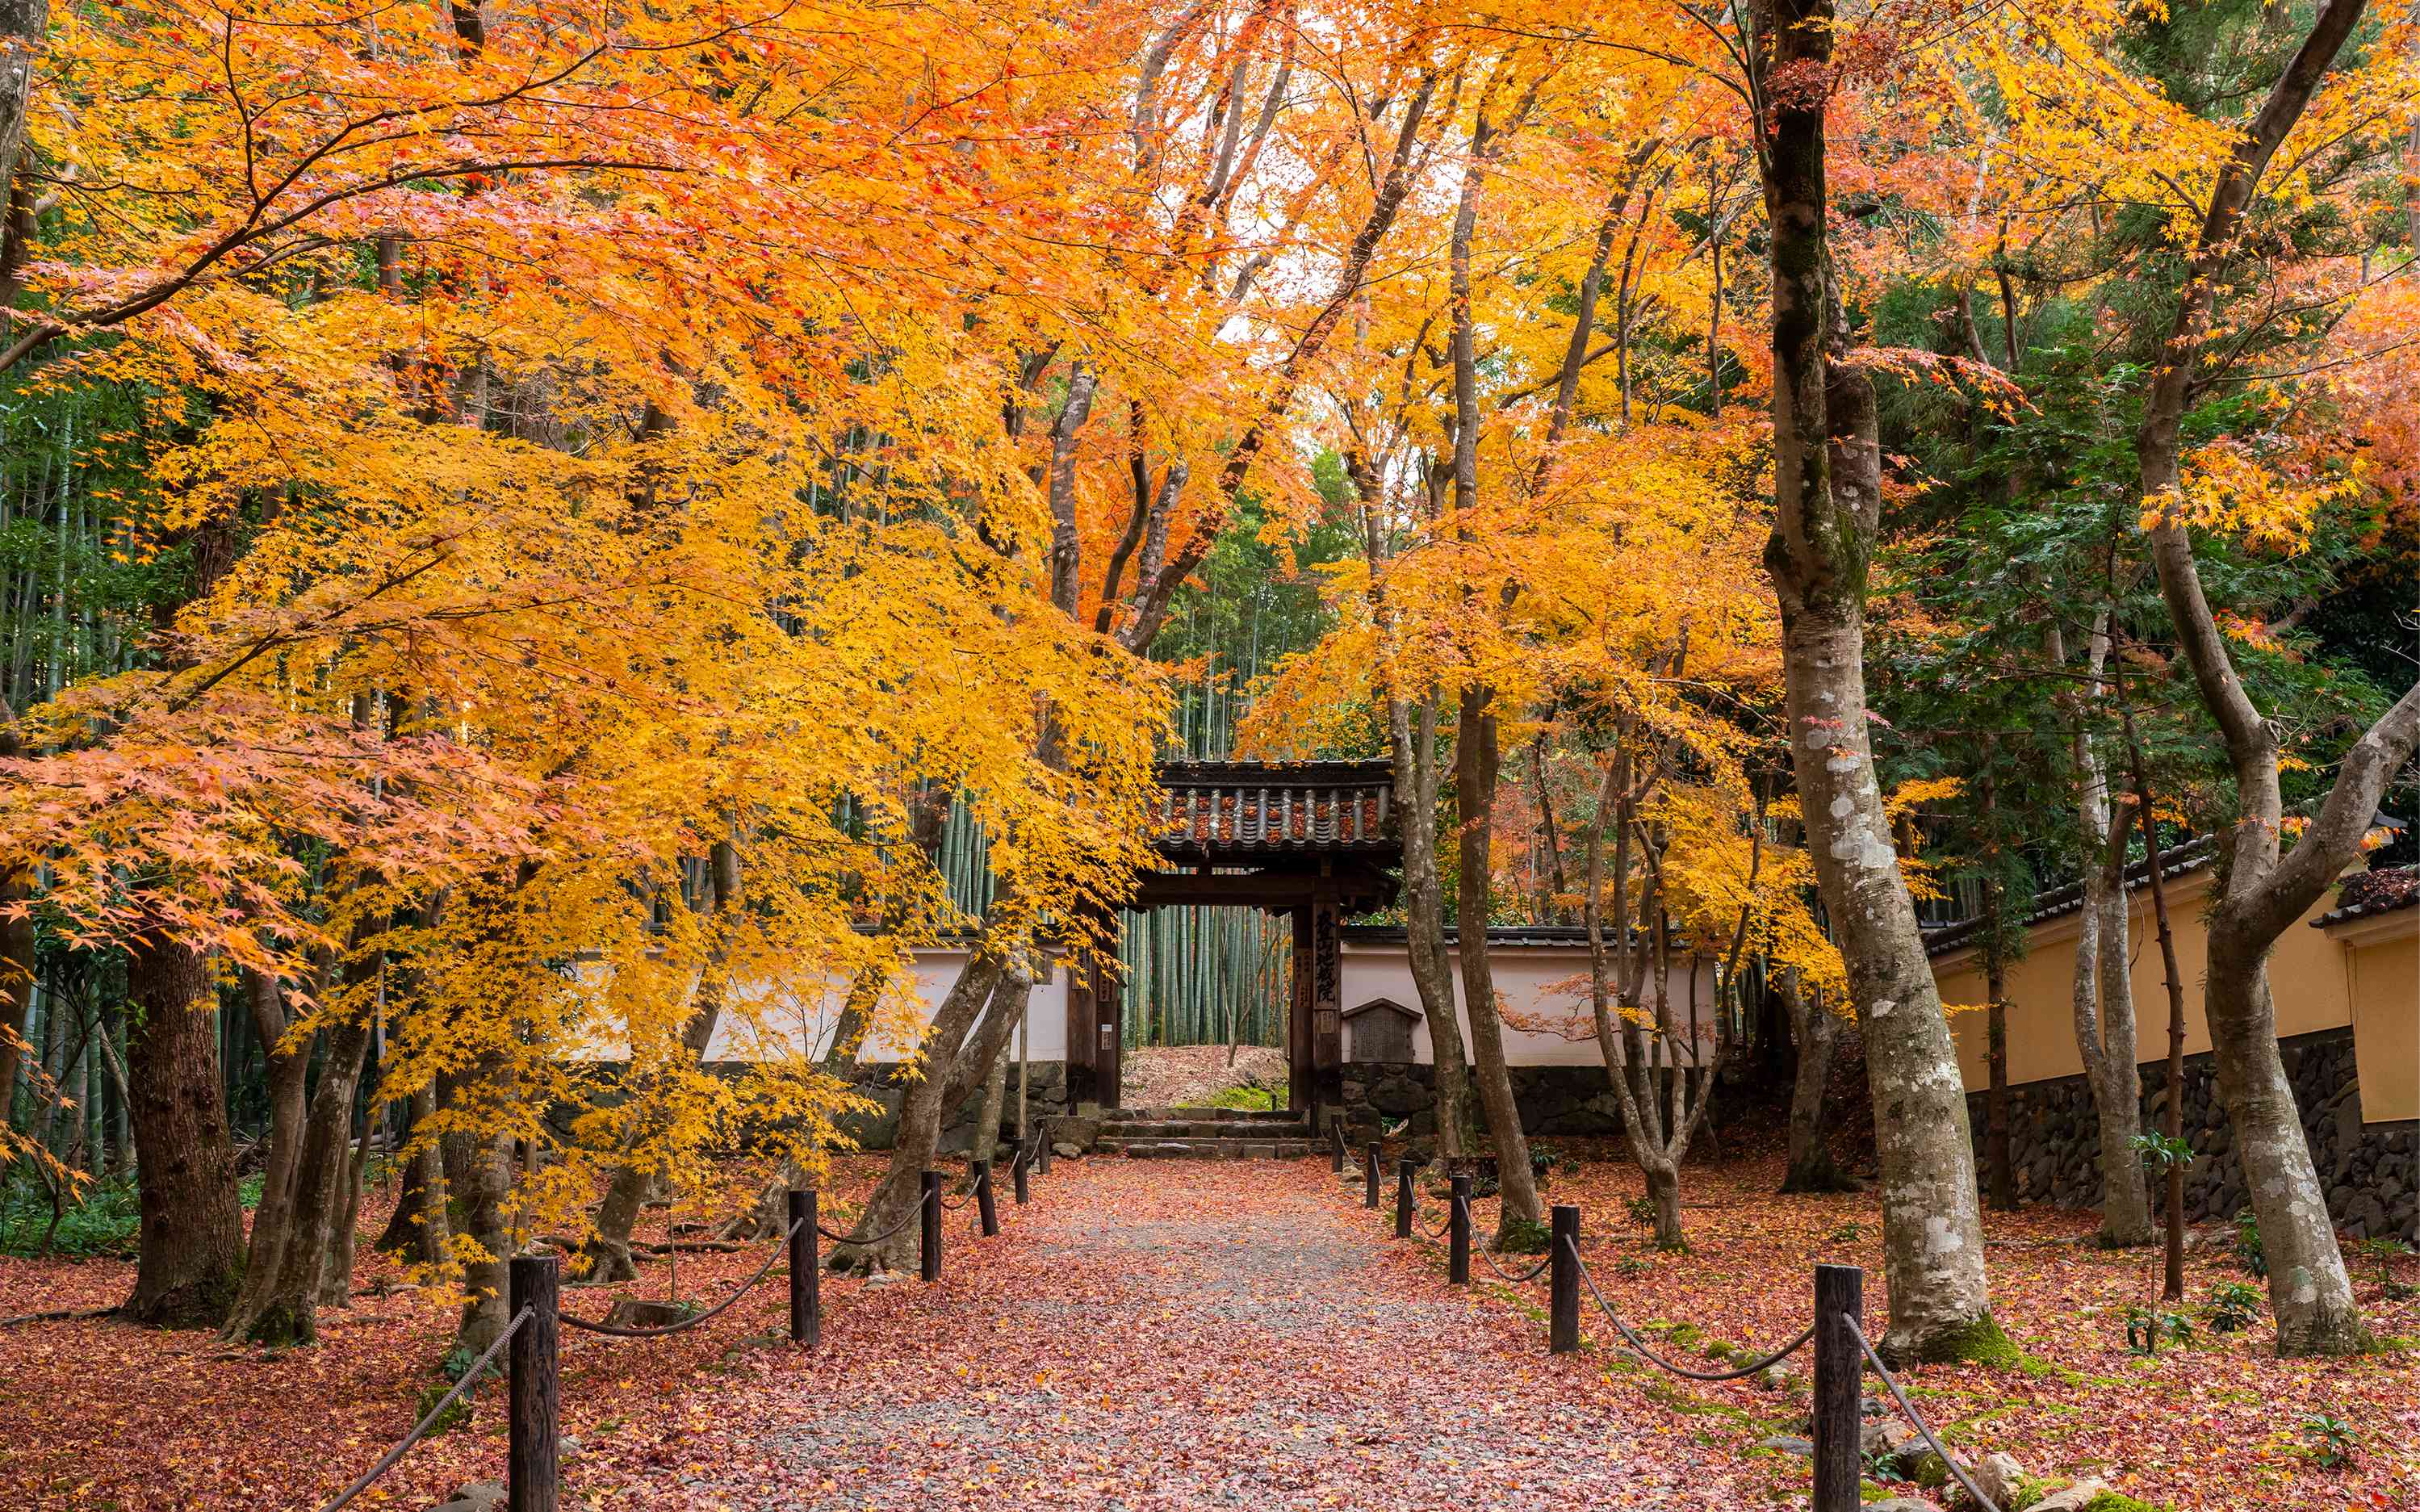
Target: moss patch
x=1980 y=1342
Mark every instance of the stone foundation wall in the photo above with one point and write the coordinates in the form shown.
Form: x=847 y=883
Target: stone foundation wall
x=1574 y=1101
x=1046 y=1098
x=2372 y=1175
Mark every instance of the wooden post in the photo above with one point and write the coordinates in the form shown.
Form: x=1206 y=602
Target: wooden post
x=984 y=1209
x=1840 y=1375
x=1017 y=1172
x=1370 y=1178
x=1041 y=1155
x=1457 y=1263
x=806 y=1271
x=533 y=1472
x=929 y=1250
x=1406 y=1198
x=1563 y=1280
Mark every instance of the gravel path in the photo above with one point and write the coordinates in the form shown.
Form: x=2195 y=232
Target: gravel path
x=1157 y=1334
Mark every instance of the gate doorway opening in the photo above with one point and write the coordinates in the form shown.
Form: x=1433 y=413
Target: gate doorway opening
x=1209 y=988
x=1307 y=843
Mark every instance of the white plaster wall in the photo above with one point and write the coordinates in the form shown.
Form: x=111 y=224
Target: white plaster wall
x=806 y=1019
x=1545 y=985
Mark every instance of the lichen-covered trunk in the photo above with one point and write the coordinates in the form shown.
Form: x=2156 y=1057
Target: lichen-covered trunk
x=2116 y=1079
x=987 y=1144
x=1474 y=762
x=1827 y=507
x=2103 y=990
x=2308 y=1288
x=1932 y=1231
x=191 y=1263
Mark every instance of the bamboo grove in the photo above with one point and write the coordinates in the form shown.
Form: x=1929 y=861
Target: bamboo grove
x=547 y=549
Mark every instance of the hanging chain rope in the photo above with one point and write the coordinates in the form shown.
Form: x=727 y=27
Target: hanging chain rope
x=1914 y=1418
x=617 y=1331
x=420 y=1429
x=1640 y=1345
x=965 y=1197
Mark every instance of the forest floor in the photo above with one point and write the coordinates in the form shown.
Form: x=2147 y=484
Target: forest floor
x=1167 y=1334
x=1174 y=1076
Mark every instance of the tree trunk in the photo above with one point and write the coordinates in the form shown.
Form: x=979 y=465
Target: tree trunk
x=2308 y=1288
x=986 y=1143
x=2103 y=990
x=283 y=1309
x=16 y=974
x=1816 y=1029
x=1827 y=495
x=192 y=1259
x=920 y=1112
x=1664 y=1197
x=483 y=1182
x=417 y=1230
x=2117 y=1081
x=2265 y=892
x=273 y=1219
x=1475 y=759
x=1413 y=741
x=625 y=1193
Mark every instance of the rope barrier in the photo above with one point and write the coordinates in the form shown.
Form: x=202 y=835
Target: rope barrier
x=963 y=1198
x=913 y=1213
x=616 y=1330
x=1638 y=1344
x=420 y=1429
x=1529 y=1276
x=1916 y=1420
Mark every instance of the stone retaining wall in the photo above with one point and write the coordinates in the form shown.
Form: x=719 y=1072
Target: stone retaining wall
x=1574 y=1101
x=2372 y=1173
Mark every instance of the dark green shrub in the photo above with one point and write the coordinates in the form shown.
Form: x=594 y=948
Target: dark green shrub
x=2234 y=1306
x=104 y=1221
x=2329 y=1442
x=2248 y=1257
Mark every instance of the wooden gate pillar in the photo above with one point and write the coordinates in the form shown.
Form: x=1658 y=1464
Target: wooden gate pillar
x=1095 y=1016
x=1328 y=1000
x=1108 y=1053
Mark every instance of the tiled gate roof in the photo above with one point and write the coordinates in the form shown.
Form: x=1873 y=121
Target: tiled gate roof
x=1251 y=811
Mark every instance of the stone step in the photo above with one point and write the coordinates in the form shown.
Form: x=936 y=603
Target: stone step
x=1225 y=1115
x=1141 y=1128
x=1206 y=1149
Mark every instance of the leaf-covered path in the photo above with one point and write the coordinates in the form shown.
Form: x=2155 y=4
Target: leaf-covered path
x=1166 y=1334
